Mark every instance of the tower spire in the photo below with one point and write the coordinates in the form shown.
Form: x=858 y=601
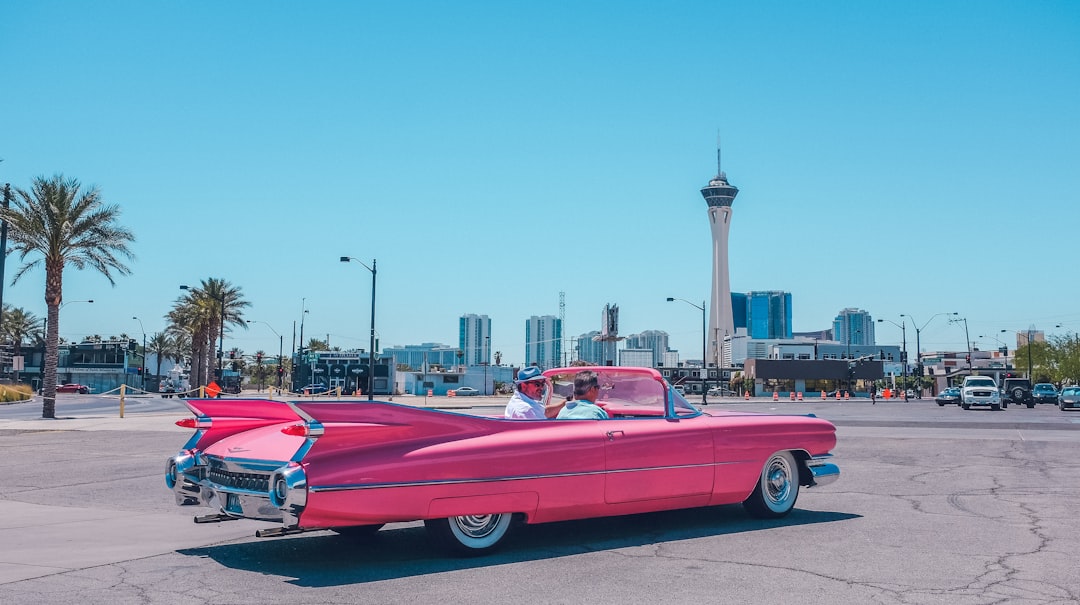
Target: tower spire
x=719 y=168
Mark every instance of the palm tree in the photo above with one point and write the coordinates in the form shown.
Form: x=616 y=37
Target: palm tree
x=164 y=347
x=198 y=315
x=17 y=326
x=65 y=227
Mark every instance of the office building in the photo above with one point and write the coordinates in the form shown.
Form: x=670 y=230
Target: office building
x=854 y=327
x=543 y=341
x=768 y=314
x=474 y=339
x=653 y=340
x=588 y=349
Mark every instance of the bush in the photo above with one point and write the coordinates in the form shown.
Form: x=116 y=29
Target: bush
x=15 y=392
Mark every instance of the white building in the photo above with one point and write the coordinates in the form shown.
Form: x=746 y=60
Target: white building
x=636 y=357
x=474 y=338
x=543 y=341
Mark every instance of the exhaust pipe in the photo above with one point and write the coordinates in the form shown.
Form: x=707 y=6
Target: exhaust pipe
x=216 y=518
x=277 y=532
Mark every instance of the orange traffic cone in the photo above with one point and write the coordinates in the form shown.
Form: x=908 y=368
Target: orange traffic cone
x=847 y=395
x=824 y=396
x=838 y=394
x=775 y=396
x=800 y=396
x=793 y=395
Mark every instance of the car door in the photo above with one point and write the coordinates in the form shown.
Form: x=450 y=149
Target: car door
x=656 y=458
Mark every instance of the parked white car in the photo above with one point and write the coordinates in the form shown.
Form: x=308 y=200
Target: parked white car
x=980 y=390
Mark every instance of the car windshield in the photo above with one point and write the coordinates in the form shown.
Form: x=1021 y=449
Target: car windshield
x=1045 y=387
x=1070 y=391
x=625 y=392
x=980 y=382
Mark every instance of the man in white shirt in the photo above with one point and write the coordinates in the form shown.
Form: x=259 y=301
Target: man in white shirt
x=527 y=402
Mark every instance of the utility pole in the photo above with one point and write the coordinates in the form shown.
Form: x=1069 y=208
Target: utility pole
x=3 y=250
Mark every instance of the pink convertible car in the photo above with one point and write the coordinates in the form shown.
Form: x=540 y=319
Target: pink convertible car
x=354 y=466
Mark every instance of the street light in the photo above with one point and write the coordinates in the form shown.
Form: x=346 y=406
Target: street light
x=903 y=336
x=487 y=361
x=918 y=347
x=221 y=335
x=967 y=339
x=280 y=348
x=704 y=335
x=1004 y=350
x=143 y=375
x=371 y=353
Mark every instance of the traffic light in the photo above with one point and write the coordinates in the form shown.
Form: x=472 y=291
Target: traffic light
x=280 y=370
x=232 y=354
x=139 y=371
x=258 y=358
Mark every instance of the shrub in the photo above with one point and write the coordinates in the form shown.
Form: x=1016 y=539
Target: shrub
x=15 y=392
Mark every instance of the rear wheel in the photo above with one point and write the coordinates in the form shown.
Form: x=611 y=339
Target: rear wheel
x=470 y=535
x=777 y=488
x=995 y=407
x=1031 y=405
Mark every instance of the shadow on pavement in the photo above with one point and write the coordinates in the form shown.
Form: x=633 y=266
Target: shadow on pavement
x=323 y=559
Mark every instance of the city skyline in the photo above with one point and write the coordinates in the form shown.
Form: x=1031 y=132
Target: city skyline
x=259 y=145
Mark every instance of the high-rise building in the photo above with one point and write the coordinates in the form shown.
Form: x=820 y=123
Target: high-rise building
x=719 y=194
x=474 y=339
x=854 y=327
x=768 y=314
x=589 y=349
x=543 y=341
x=654 y=340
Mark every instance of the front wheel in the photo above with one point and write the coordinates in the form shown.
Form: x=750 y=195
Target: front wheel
x=470 y=535
x=965 y=406
x=1031 y=405
x=777 y=488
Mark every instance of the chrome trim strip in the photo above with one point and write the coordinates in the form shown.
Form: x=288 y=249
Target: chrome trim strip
x=342 y=488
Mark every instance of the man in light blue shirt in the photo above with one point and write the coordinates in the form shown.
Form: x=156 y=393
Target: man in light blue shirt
x=583 y=405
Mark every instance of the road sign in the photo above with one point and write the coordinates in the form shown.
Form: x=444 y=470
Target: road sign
x=213 y=389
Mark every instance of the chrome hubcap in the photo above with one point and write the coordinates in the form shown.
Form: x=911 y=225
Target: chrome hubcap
x=477 y=526
x=778 y=480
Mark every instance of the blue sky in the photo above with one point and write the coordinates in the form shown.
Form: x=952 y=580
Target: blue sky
x=916 y=157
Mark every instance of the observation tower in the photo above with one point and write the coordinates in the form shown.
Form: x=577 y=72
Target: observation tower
x=719 y=194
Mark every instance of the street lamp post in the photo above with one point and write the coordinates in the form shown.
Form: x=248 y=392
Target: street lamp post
x=143 y=375
x=918 y=347
x=280 y=349
x=371 y=353
x=704 y=335
x=1004 y=350
x=967 y=339
x=903 y=346
x=1030 y=335
x=487 y=361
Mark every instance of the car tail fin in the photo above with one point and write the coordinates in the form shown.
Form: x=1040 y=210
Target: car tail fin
x=216 y=419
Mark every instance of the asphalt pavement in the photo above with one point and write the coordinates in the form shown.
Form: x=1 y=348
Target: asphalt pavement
x=934 y=505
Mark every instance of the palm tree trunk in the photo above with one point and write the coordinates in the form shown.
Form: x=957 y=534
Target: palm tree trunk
x=52 y=352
